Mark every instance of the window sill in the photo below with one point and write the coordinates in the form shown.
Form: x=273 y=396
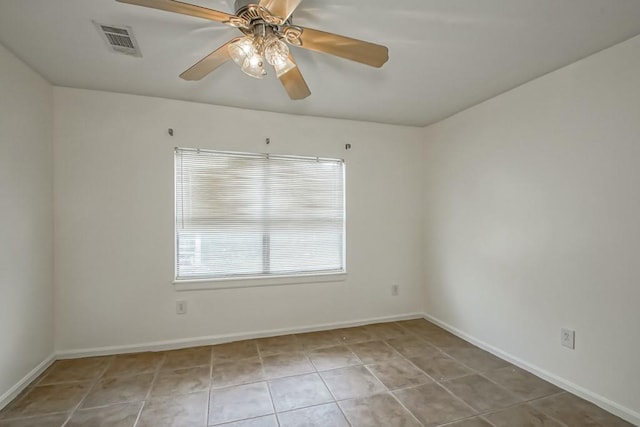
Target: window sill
x=255 y=282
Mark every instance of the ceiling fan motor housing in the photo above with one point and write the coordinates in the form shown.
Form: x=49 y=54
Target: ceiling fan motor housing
x=250 y=11
x=243 y=4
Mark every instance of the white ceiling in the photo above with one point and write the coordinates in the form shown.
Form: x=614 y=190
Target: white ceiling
x=445 y=55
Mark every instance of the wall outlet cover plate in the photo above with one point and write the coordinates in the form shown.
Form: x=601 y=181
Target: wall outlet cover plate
x=568 y=338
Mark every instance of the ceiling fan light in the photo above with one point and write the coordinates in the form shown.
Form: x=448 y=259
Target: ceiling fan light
x=244 y=53
x=253 y=66
x=276 y=51
x=283 y=67
x=277 y=54
x=241 y=49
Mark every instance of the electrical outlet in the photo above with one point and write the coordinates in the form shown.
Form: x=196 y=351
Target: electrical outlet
x=181 y=307
x=568 y=338
x=395 y=290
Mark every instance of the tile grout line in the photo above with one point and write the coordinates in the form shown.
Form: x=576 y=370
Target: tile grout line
x=210 y=384
x=435 y=382
x=387 y=390
x=93 y=384
x=403 y=357
x=335 y=400
x=171 y=372
x=482 y=374
x=472 y=417
x=319 y=374
x=491 y=411
x=29 y=388
x=393 y=396
x=440 y=383
x=317 y=405
x=504 y=408
x=484 y=415
x=527 y=402
x=266 y=381
x=406 y=358
x=137 y=420
x=488 y=421
x=156 y=374
x=273 y=404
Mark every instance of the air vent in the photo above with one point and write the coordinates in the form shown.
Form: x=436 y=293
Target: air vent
x=119 y=39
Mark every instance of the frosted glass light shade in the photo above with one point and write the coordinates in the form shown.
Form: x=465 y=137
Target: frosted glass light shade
x=284 y=67
x=277 y=54
x=276 y=51
x=244 y=53
x=254 y=66
x=240 y=50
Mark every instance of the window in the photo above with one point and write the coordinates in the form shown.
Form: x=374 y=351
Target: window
x=256 y=215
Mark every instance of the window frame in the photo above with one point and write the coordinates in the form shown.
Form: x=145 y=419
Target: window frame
x=248 y=281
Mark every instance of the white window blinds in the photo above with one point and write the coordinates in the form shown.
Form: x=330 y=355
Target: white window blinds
x=241 y=214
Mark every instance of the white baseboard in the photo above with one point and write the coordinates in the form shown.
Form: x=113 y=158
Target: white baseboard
x=14 y=391
x=606 y=404
x=220 y=339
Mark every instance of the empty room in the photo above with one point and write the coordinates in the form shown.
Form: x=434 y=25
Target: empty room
x=320 y=213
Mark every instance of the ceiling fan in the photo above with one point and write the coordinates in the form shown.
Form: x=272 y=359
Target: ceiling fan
x=267 y=25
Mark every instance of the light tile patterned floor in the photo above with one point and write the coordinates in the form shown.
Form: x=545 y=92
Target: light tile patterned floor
x=394 y=374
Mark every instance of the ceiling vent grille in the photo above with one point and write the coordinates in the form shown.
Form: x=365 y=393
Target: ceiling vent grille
x=119 y=39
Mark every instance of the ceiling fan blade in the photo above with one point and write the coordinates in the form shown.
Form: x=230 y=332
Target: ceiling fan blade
x=294 y=83
x=367 y=53
x=184 y=8
x=209 y=63
x=280 y=8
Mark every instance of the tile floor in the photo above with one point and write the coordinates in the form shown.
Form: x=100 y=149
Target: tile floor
x=394 y=374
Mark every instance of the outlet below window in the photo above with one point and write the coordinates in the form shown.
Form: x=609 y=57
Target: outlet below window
x=181 y=307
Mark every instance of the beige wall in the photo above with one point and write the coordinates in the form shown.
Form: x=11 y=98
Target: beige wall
x=114 y=221
x=532 y=223
x=26 y=225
